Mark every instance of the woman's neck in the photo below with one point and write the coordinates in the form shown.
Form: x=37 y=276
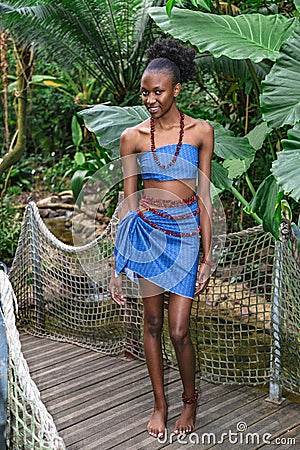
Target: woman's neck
x=170 y=120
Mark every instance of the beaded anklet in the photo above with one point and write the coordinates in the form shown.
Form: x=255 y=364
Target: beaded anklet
x=206 y=261
x=192 y=399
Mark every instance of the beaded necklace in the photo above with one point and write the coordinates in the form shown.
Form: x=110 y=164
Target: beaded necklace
x=153 y=149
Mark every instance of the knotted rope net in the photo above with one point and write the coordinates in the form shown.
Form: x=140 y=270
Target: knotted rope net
x=239 y=335
x=30 y=426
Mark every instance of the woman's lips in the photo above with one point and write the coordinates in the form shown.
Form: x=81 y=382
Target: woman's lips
x=153 y=109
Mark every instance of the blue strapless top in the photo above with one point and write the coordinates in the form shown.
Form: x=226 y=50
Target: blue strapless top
x=185 y=166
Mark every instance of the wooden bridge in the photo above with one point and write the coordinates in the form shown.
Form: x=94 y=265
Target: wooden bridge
x=102 y=402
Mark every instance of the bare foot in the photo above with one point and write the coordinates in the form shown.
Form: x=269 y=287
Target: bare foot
x=186 y=422
x=157 y=423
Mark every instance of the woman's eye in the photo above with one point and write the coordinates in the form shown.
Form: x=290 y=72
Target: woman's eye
x=144 y=92
x=157 y=92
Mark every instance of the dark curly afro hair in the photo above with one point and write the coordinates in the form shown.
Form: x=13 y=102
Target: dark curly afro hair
x=171 y=56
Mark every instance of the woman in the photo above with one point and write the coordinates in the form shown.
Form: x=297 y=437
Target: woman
x=158 y=237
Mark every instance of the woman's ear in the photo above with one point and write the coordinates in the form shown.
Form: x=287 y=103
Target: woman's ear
x=177 y=88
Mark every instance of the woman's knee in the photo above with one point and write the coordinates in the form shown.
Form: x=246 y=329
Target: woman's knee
x=153 y=325
x=179 y=336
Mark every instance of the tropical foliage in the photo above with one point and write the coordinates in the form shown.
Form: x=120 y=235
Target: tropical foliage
x=10 y=226
x=247 y=84
x=102 y=41
x=106 y=38
x=253 y=39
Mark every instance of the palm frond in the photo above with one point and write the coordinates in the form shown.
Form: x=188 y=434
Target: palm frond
x=108 y=38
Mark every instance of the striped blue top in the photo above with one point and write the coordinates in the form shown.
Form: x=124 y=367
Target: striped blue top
x=185 y=166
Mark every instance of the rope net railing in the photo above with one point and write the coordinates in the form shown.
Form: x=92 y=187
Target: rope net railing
x=62 y=293
x=30 y=426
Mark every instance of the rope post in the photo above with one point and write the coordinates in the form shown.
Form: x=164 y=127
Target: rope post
x=3 y=375
x=275 y=386
x=37 y=285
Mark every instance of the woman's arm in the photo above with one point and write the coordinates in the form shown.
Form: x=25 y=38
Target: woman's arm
x=129 y=163
x=130 y=173
x=205 y=204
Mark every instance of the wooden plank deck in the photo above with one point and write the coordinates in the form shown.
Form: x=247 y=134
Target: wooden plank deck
x=101 y=402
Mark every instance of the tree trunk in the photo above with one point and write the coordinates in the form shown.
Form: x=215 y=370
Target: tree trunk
x=4 y=67
x=23 y=73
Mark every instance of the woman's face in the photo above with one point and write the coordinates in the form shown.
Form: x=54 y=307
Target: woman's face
x=158 y=92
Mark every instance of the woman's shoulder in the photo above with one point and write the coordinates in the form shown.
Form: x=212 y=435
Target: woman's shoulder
x=200 y=129
x=199 y=124
x=133 y=137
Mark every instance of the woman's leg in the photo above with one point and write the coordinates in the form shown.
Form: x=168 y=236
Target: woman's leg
x=153 y=323
x=179 y=323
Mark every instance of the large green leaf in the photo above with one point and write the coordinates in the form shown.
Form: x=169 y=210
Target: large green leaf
x=280 y=100
x=77 y=182
x=237 y=163
x=236 y=167
x=231 y=68
x=77 y=134
x=228 y=146
x=219 y=177
x=258 y=134
x=248 y=36
x=266 y=203
x=42 y=80
x=286 y=168
x=108 y=123
x=238 y=153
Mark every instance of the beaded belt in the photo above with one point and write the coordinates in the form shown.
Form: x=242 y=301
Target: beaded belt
x=145 y=201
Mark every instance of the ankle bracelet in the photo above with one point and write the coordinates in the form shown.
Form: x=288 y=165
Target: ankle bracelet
x=190 y=400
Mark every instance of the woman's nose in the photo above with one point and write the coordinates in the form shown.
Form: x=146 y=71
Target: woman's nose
x=151 y=99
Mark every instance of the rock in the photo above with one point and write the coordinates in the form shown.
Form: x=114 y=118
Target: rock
x=68 y=199
x=44 y=202
x=61 y=212
x=52 y=214
x=62 y=193
x=44 y=212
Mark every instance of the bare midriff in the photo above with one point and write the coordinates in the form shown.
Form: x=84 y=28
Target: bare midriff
x=169 y=190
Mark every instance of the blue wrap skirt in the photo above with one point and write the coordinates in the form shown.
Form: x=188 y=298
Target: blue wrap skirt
x=161 y=245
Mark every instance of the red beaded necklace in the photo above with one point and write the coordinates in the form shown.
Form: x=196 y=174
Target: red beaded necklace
x=153 y=149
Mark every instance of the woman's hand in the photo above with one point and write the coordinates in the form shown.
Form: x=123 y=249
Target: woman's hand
x=203 y=278
x=115 y=288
